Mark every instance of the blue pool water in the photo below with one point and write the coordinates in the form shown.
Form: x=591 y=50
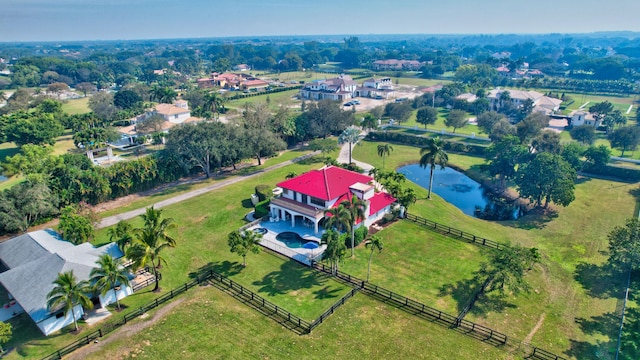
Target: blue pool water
x=291 y=239
x=464 y=193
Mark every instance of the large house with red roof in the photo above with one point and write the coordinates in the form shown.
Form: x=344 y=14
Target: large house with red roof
x=305 y=198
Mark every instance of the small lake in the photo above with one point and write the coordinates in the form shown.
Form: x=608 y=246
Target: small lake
x=464 y=193
x=3 y=178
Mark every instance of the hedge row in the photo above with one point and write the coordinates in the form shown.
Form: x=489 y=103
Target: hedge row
x=413 y=140
x=622 y=173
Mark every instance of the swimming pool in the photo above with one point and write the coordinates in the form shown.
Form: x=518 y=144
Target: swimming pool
x=291 y=239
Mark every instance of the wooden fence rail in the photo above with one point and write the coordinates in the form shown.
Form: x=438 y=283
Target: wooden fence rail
x=459 y=234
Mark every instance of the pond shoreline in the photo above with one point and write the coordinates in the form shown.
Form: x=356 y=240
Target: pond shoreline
x=493 y=186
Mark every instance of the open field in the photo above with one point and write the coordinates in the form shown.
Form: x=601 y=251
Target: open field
x=417 y=263
x=210 y=324
x=284 y=98
x=572 y=290
x=572 y=287
x=76 y=106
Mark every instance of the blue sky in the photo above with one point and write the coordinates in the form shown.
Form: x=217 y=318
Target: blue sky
x=60 y=20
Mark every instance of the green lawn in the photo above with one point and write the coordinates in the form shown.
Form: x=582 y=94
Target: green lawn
x=285 y=98
x=571 y=285
x=210 y=324
x=419 y=264
x=176 y=190
x=440 y=124
x=76 y=106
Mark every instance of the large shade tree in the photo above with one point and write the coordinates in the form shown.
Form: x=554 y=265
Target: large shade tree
x=150 y=240
x=67 y=293
x=549 y=178
x=507 y=268
x=431 y=155
x=109 y=275
x=624 y=245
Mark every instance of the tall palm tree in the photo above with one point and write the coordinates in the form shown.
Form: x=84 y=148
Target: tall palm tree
x=374 y=242
x=338 y=218
x=431 y=155
x=150 y=240
x=108 y=275
x=213 y=101
x=334 y=253
x=121 y=234
x=356 y=209
x=384 y=150
x=350 y=135
x=68 y=292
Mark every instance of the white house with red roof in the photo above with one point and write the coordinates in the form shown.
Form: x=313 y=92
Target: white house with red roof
x=306 y=197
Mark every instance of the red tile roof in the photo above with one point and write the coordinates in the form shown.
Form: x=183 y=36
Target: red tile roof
x=379 y=201
x=327 y=183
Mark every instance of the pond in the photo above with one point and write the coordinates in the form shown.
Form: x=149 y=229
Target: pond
x=464 y=193
x=3 y=178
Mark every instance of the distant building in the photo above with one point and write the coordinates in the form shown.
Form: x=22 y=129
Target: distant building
x=541 y=103
x=376 y=88
x=242 y=67
x=341 y=88
x=395 y=64
x=581 y=117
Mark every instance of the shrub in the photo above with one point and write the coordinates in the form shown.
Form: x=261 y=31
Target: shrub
x=264 y=192
x=261 y=209
x=360 y=234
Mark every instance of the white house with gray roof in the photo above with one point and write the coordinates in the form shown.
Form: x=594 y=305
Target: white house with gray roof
x=29 y=264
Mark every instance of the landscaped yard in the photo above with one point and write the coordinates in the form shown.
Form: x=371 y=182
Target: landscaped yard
x=210 y=324
x=571 y=287
x=76 y=106
x=571 y=290
x=419 y=264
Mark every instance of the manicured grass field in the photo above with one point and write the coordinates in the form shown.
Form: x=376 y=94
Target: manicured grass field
x=76 y=106
x=440 y=124
x=572 y=291
x=284 y=98
x=572 y=287
x=419 y=264
x=210 y=324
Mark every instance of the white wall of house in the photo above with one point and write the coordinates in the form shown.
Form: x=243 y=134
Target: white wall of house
x=377 y=216
x=54 y=324
x=177 y=118
x=109 y=298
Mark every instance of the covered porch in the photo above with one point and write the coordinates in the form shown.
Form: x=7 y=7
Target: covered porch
x=296 y=214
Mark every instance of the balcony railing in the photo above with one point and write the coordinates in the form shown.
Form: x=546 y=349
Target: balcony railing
x=303 y=209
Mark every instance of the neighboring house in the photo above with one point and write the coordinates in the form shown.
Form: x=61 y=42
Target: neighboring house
x=395 y=64
x=341 y=88
x=242 y=67
x=306 y=197
x=468 y=97
x=581 y=117
x=255 y=85
x=376 y=87
x=173 y=114
x=29 y=264
x=541 y=103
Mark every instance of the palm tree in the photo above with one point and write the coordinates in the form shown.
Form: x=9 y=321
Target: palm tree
x=356 y=209
x=213 y=100
x=108 y=275
x=431 y=155
x=121 y=234
x=350 y=135
x=334 y=253
x=150 y=240
x=338 y=218
x=384 y=150
x=68 y=292
x=374 y=242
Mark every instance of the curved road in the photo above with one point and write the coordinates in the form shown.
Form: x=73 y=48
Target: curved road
x=112 y=220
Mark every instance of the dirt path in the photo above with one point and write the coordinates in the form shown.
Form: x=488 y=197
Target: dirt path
x=126 y=331
x=535 y=328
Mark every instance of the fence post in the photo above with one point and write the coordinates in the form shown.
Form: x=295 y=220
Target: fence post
x=100 y=332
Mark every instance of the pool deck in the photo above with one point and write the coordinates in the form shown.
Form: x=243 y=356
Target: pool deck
x=299 y=254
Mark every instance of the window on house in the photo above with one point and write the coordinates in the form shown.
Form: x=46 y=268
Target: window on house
x=316 y=201
x=60 y=314
x=175 y=116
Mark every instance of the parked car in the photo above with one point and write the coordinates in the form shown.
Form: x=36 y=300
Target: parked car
x=348 y=103
x=401 y=99
x=378 y=97
x=355 y=102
